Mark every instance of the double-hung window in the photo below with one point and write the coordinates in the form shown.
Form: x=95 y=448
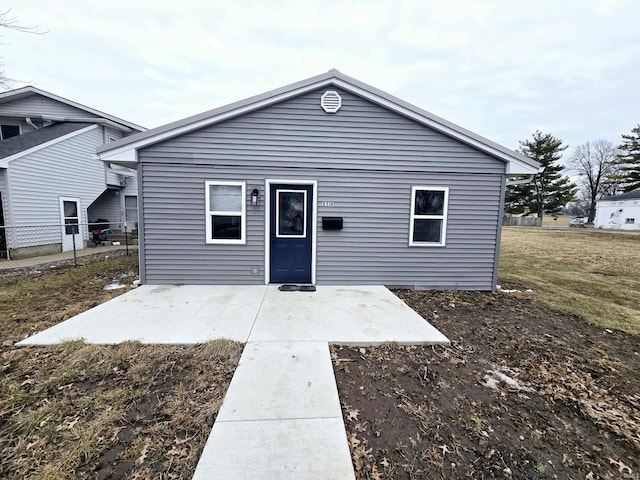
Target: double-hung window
x=226 y=212
x=428 y=225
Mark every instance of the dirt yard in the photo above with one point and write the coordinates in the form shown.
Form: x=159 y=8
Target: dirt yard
x=80 y=411
x=525 y=390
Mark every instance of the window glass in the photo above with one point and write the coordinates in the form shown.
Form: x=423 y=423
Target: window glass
x=226 y=227
x=429 y=202
x=291 y=214
x=70 y=217
x=226 y=198
x=131 y=208
x=427 y=230
x=70 y=209
x=9 y=131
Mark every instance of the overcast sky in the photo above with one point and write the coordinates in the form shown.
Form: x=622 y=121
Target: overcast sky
x=499 y=68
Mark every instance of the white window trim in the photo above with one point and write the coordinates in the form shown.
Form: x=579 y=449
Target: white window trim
x=304 y=225
x=443 y=217
x=209 y=213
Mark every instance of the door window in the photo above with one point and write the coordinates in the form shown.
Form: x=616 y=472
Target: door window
x=70 y=210
x=291 y=213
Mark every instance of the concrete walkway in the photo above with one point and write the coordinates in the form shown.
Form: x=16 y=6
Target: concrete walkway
x=281 y=417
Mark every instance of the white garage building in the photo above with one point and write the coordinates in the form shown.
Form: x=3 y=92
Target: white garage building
x=621 y=212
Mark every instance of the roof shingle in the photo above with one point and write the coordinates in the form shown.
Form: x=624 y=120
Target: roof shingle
x=20 y=143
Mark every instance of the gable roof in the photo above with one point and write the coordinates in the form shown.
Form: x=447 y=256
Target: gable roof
x=632 y=195
x=125 y=150
x=21 y=145
x=18 y=93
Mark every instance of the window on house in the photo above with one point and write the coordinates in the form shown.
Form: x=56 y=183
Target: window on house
x=131 y=208
x=428 y=225
x=226 y=210
x=630 y=221
x=8 y=131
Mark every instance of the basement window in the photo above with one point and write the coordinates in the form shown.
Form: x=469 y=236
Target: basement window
x=225 y=212
x=428 y=226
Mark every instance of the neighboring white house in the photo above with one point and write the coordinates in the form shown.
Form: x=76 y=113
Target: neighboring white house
x=49 y=175
x=621 y=212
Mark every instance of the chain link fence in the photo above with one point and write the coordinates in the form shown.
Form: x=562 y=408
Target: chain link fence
x=30 y=245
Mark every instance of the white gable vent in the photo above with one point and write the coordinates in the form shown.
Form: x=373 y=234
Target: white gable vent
x=331 y=101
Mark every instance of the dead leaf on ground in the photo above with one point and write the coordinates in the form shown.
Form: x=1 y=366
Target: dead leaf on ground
x=353 y=414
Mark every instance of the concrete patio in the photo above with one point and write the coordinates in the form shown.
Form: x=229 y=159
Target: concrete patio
x=281 y=416
x=189 y=314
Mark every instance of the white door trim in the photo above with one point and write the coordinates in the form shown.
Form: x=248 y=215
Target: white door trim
x=79 y=237
x=267 y=223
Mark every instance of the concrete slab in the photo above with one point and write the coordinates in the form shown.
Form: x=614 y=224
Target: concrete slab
x=348 y=315
x=166 y=314
x=278 y=380
x=305 y=449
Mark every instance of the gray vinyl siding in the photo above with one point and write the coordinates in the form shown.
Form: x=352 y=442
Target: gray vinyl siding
x=36 y=105
x=365 y=160
x=66 y=168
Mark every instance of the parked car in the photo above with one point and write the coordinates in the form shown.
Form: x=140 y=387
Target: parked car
x=579 y=222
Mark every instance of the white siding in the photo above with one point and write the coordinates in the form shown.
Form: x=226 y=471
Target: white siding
x=5 y=197
x=64 y=169
x=39 y=105
x=614 y=214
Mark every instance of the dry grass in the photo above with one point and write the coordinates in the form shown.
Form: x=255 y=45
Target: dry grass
x=87 y=411
x=40 y=299
x=559 y=221
x=141 y=411
x=587 y=273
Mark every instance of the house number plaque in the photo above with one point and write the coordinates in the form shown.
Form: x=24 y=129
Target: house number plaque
x=326 y=204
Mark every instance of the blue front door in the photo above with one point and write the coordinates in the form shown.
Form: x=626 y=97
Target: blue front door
x=291 y=222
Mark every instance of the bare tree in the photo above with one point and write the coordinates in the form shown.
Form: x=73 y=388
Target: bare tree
x=10 y=22
x=594 y=163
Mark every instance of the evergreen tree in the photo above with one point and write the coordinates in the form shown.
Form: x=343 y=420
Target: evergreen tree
x=629 y=160
x=549 y=190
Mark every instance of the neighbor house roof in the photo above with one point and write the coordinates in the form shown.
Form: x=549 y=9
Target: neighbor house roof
x=23 y=92
x=634 y=194
x=125 y=150
x=21 y=145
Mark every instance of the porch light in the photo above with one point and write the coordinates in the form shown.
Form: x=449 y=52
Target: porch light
x=254 y=197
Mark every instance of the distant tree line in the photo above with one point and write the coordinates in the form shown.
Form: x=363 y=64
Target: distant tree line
x=599 y=169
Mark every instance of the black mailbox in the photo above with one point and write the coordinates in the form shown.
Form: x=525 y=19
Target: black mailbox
x=332 y=223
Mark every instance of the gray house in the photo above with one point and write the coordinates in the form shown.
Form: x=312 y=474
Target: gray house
x=49 y=175
x=325 y=181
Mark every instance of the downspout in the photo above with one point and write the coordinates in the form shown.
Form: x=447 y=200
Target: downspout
x=30 y=123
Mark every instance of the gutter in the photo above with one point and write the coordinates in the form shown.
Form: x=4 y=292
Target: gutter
x=97 y=120
x=519 y=180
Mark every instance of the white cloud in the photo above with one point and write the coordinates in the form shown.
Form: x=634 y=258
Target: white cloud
x=500 y=68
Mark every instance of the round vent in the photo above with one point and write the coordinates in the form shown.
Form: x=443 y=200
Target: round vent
x=331 y=101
